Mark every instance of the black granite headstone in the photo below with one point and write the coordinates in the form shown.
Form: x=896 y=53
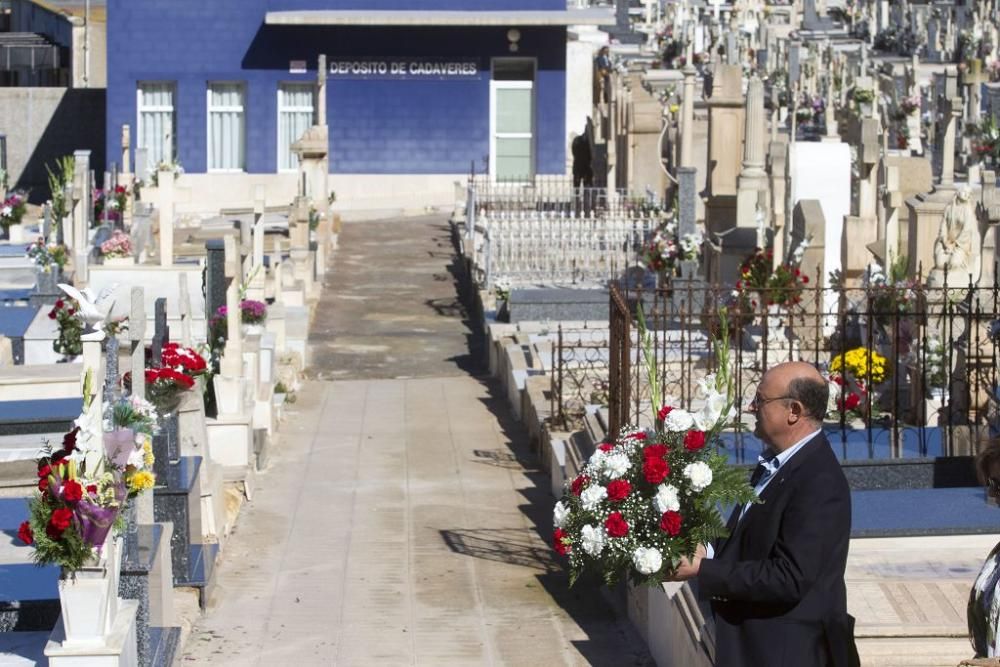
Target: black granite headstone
x=161 y=332
x=215 y=277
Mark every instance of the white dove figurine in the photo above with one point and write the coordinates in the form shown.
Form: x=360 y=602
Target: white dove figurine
x=93 y=311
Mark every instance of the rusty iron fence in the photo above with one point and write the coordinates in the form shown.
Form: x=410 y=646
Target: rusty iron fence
x=939 y=395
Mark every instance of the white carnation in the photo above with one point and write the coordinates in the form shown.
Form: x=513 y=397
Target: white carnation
x=616 y=465
x=593 y=540
x=678 y=421
x=647 y=560
x=592 y=496
x=667 y=499
x=596 y=462
x=700 y=475
x=559 y=514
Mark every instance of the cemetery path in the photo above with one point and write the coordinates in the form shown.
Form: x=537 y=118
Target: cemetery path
x=390 y=306
x=401 y=522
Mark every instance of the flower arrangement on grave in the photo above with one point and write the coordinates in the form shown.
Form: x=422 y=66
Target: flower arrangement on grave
x=68 y=342
x=119 y=245
x=174 y=167
x=855 y=374
x=902 y=131
x=58 y=180
x=650 y=497
x=890 y=296
x=117 y=201
x=134 y=420
x=47 y=256
x=666 y=247
x=81 y=490
x=165 y=387
x=501 y=287
x=909 y=105
x=985 y=138
x=863 y=96
x=252 y=312
x=183 y=360
x=13 y=209
x=99 y=205
x=780 y=285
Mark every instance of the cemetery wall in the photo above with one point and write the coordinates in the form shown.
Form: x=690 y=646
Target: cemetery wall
x=378 y=124
x=43 y=124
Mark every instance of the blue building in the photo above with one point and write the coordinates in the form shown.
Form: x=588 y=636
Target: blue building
x=415 y=87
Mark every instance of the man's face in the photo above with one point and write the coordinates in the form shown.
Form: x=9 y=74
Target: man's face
x=770 y=407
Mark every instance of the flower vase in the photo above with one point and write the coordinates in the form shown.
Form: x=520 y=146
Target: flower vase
x=252 y=329
x=119 y=261
x=84 y=597
x=46 y=281
x=116 y=551
x=15 y=233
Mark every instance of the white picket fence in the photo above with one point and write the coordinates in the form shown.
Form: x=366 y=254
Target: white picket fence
x=558 y=247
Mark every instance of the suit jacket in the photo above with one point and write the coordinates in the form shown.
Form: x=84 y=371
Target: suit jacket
x=777 y=583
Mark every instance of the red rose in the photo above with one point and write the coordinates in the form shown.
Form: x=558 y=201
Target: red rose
x=654 y=451
x=72 y=492
x=58 y=523
x=577 y=486
x=618 y=490
x=52 y=314
x=616 y=525
x=694 y=440
x=43 y=484
x=45 y=471
x=664 y=411
x=850 y=402
x=92 y=488
x=24 y=533
x=606 y=447
x=655 y=469
x=557 y=542
x=670 y=523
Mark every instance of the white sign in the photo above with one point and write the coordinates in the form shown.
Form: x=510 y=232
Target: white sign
x=384 y=68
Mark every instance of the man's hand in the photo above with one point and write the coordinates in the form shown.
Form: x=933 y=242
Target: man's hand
x=688 y=569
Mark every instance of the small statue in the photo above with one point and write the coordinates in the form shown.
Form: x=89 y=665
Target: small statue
x=958 y=247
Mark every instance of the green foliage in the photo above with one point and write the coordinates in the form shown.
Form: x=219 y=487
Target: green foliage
x=69 y=551
x=58 y=180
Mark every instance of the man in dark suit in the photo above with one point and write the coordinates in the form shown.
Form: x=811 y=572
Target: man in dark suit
x=776 y=585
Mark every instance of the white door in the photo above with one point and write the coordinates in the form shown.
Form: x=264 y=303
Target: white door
x=512 y=125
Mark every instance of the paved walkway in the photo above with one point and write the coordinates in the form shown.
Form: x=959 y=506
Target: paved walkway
x=401 y=520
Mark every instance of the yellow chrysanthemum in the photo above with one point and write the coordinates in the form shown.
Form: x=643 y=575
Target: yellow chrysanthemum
x=141 y=481
x=860 y=362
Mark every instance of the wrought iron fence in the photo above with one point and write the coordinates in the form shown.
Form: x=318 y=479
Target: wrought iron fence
x=926 y=383
x=552 y=193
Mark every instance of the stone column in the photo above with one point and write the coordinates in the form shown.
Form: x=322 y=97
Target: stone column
x=321 y=91
x=753 y=178
x=165 y=181
x=953 y=108
x=687 y=118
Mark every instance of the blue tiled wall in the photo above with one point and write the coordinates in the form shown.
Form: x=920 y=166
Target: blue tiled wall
x=376 y=125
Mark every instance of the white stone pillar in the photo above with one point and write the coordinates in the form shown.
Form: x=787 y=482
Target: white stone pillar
x=687 y=118
x=165 y=186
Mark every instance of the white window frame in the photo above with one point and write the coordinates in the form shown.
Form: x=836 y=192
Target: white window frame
x=311 y=109
x=208 y=125
x=172 y=109
x=513 y=85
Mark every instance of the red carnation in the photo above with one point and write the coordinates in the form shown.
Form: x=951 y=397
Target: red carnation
x=72 y=492
x=694 y=440
x=670 y=523
x=616 y=525
x=577 y=486
x=43 y=484
x=45 y=471
x=655 y=469
x=850 y=402
x=664 y=411
x=557 y=542
x=654 y=451
x=805 y=279
x=640 y=435
x=618 y=490
x=24 y=533
x=58 y=523
x=606 y=447
x=92 y=488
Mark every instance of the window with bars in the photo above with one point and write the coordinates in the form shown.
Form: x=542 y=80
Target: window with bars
x=156 y=126
x=226 y=127
x=295 y=116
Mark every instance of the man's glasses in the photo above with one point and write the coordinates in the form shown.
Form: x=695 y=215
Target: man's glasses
x=759 y=400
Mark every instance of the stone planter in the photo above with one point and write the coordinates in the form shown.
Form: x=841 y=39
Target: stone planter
x=15 y=233
x=118 y=261
x=252 y=329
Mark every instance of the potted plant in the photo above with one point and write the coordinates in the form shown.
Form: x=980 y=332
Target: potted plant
x=11 y=214
x=49 y=258
x=67 y=342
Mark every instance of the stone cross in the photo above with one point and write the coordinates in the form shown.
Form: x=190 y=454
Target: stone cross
x=687 y=117
x=161 y=332
x=184 y=305
x=142 y=163
x=952 y=109
x=276 y=271
x=321 y=91
x=83 y=210
x=232 y=358
x=126 y=145
x=137 y=340
x=46 y=221
x=165 y=181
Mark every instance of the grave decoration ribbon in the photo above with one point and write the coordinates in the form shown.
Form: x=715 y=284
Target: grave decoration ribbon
x=649 y=497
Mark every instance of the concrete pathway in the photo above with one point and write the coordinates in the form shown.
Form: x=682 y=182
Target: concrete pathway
x=401 y=521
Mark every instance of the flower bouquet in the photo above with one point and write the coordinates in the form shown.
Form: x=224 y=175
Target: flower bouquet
x=119 y=245
x=68 y=342
x=99 y=206
x=129 y=428
x=665 y=248
x=853 y=375
x=165 y=388
x=117 y=200
x=781 y=285
x=47 y=255
x=183 y=359
x=251 y=312
x=13 y=209
x=651 y=497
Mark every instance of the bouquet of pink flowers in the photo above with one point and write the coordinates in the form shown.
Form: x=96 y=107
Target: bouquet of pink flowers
x=119 y=245
x=13 y=209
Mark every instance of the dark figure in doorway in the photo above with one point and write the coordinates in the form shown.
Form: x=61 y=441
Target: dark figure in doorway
x=583 y=172
x=602 y=75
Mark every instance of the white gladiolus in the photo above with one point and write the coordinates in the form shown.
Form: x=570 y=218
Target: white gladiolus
x=559 y=514
x=616 y=465
x=712 y=411
x=667 y=499
x=592 y=496
x=647 y=560
x=593 y=540
x=678 y=421
x=699 y=474
x=706 y=385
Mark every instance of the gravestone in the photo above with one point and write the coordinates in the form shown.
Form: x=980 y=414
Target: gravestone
x=215 y=277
